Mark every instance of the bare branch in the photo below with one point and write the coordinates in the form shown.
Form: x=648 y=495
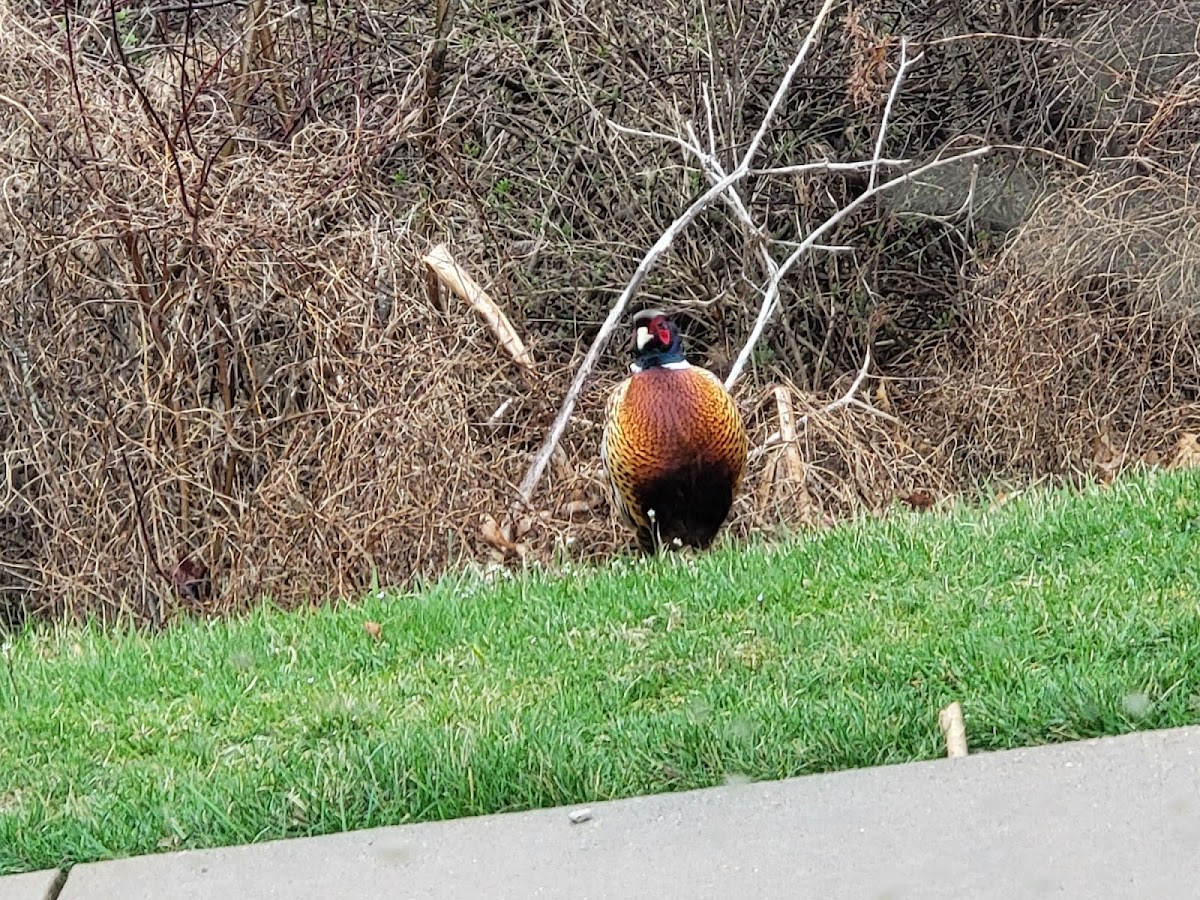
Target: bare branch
x=847 y=397
x=656 y=135
x=782 y=90
x=533 y=475
x=708 y=117
x=716 y=174
x=826 y=166
x=458 y=280
x=905 y=62
x=693 y=148
x=771 y=298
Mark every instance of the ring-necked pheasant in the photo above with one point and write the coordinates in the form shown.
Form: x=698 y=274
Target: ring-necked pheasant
x=674 y=444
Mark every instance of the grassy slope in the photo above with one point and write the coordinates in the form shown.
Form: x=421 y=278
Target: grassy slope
x=1058 y=616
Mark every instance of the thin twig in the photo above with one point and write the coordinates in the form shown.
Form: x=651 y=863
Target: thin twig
x=905 y=62
x=148 y=106
x=782 y=90
x=1049 y=154
x=191 y=7
x=845 y=399
x=821 y=165
x=826 y=166
x=709 y=120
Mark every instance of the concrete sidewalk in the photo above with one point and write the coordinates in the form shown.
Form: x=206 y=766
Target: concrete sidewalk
x=1111 y=818
x=34 y=886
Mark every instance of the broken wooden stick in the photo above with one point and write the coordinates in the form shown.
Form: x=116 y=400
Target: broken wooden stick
x=950 y=720
x=784 y=481
x=792 y=462
x=461 y=283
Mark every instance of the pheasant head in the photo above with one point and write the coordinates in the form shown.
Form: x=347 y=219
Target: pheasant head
x=656 y=341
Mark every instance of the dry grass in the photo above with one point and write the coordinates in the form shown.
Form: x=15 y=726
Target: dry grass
x=1081 y=348
x=233 y=378
x=226 y=371
x=1083 y=351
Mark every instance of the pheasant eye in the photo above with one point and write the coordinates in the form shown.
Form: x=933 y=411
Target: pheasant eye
x=663 y=334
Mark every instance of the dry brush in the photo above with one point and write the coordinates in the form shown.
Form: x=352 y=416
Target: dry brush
x=225 y=370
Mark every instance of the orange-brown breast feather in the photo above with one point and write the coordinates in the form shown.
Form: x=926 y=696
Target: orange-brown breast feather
x=662 y=418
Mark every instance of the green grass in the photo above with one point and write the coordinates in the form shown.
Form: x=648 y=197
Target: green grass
x=1058 y=616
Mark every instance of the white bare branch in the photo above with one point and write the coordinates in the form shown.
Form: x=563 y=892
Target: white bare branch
x=771 y=297
x=533 y=475
x=708 y=118
x=822 y=165
x=901 y=71
x=845 y=399
x=723 y=185
x=656 y=135
x=786 y=83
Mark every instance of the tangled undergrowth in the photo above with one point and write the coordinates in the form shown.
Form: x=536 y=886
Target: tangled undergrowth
x=226 y=371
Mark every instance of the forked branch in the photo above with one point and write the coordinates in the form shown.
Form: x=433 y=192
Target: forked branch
x=771 y=296
x=723 y=185
x=538 y=466
x=846 y=399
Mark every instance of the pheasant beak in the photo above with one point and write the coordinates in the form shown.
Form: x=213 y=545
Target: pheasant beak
x=642 y=337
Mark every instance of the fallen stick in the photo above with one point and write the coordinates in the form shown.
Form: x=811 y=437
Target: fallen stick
x=461 y=283
x=950 y=720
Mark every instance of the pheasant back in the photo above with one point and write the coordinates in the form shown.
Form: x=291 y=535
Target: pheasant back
x=675 y=450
